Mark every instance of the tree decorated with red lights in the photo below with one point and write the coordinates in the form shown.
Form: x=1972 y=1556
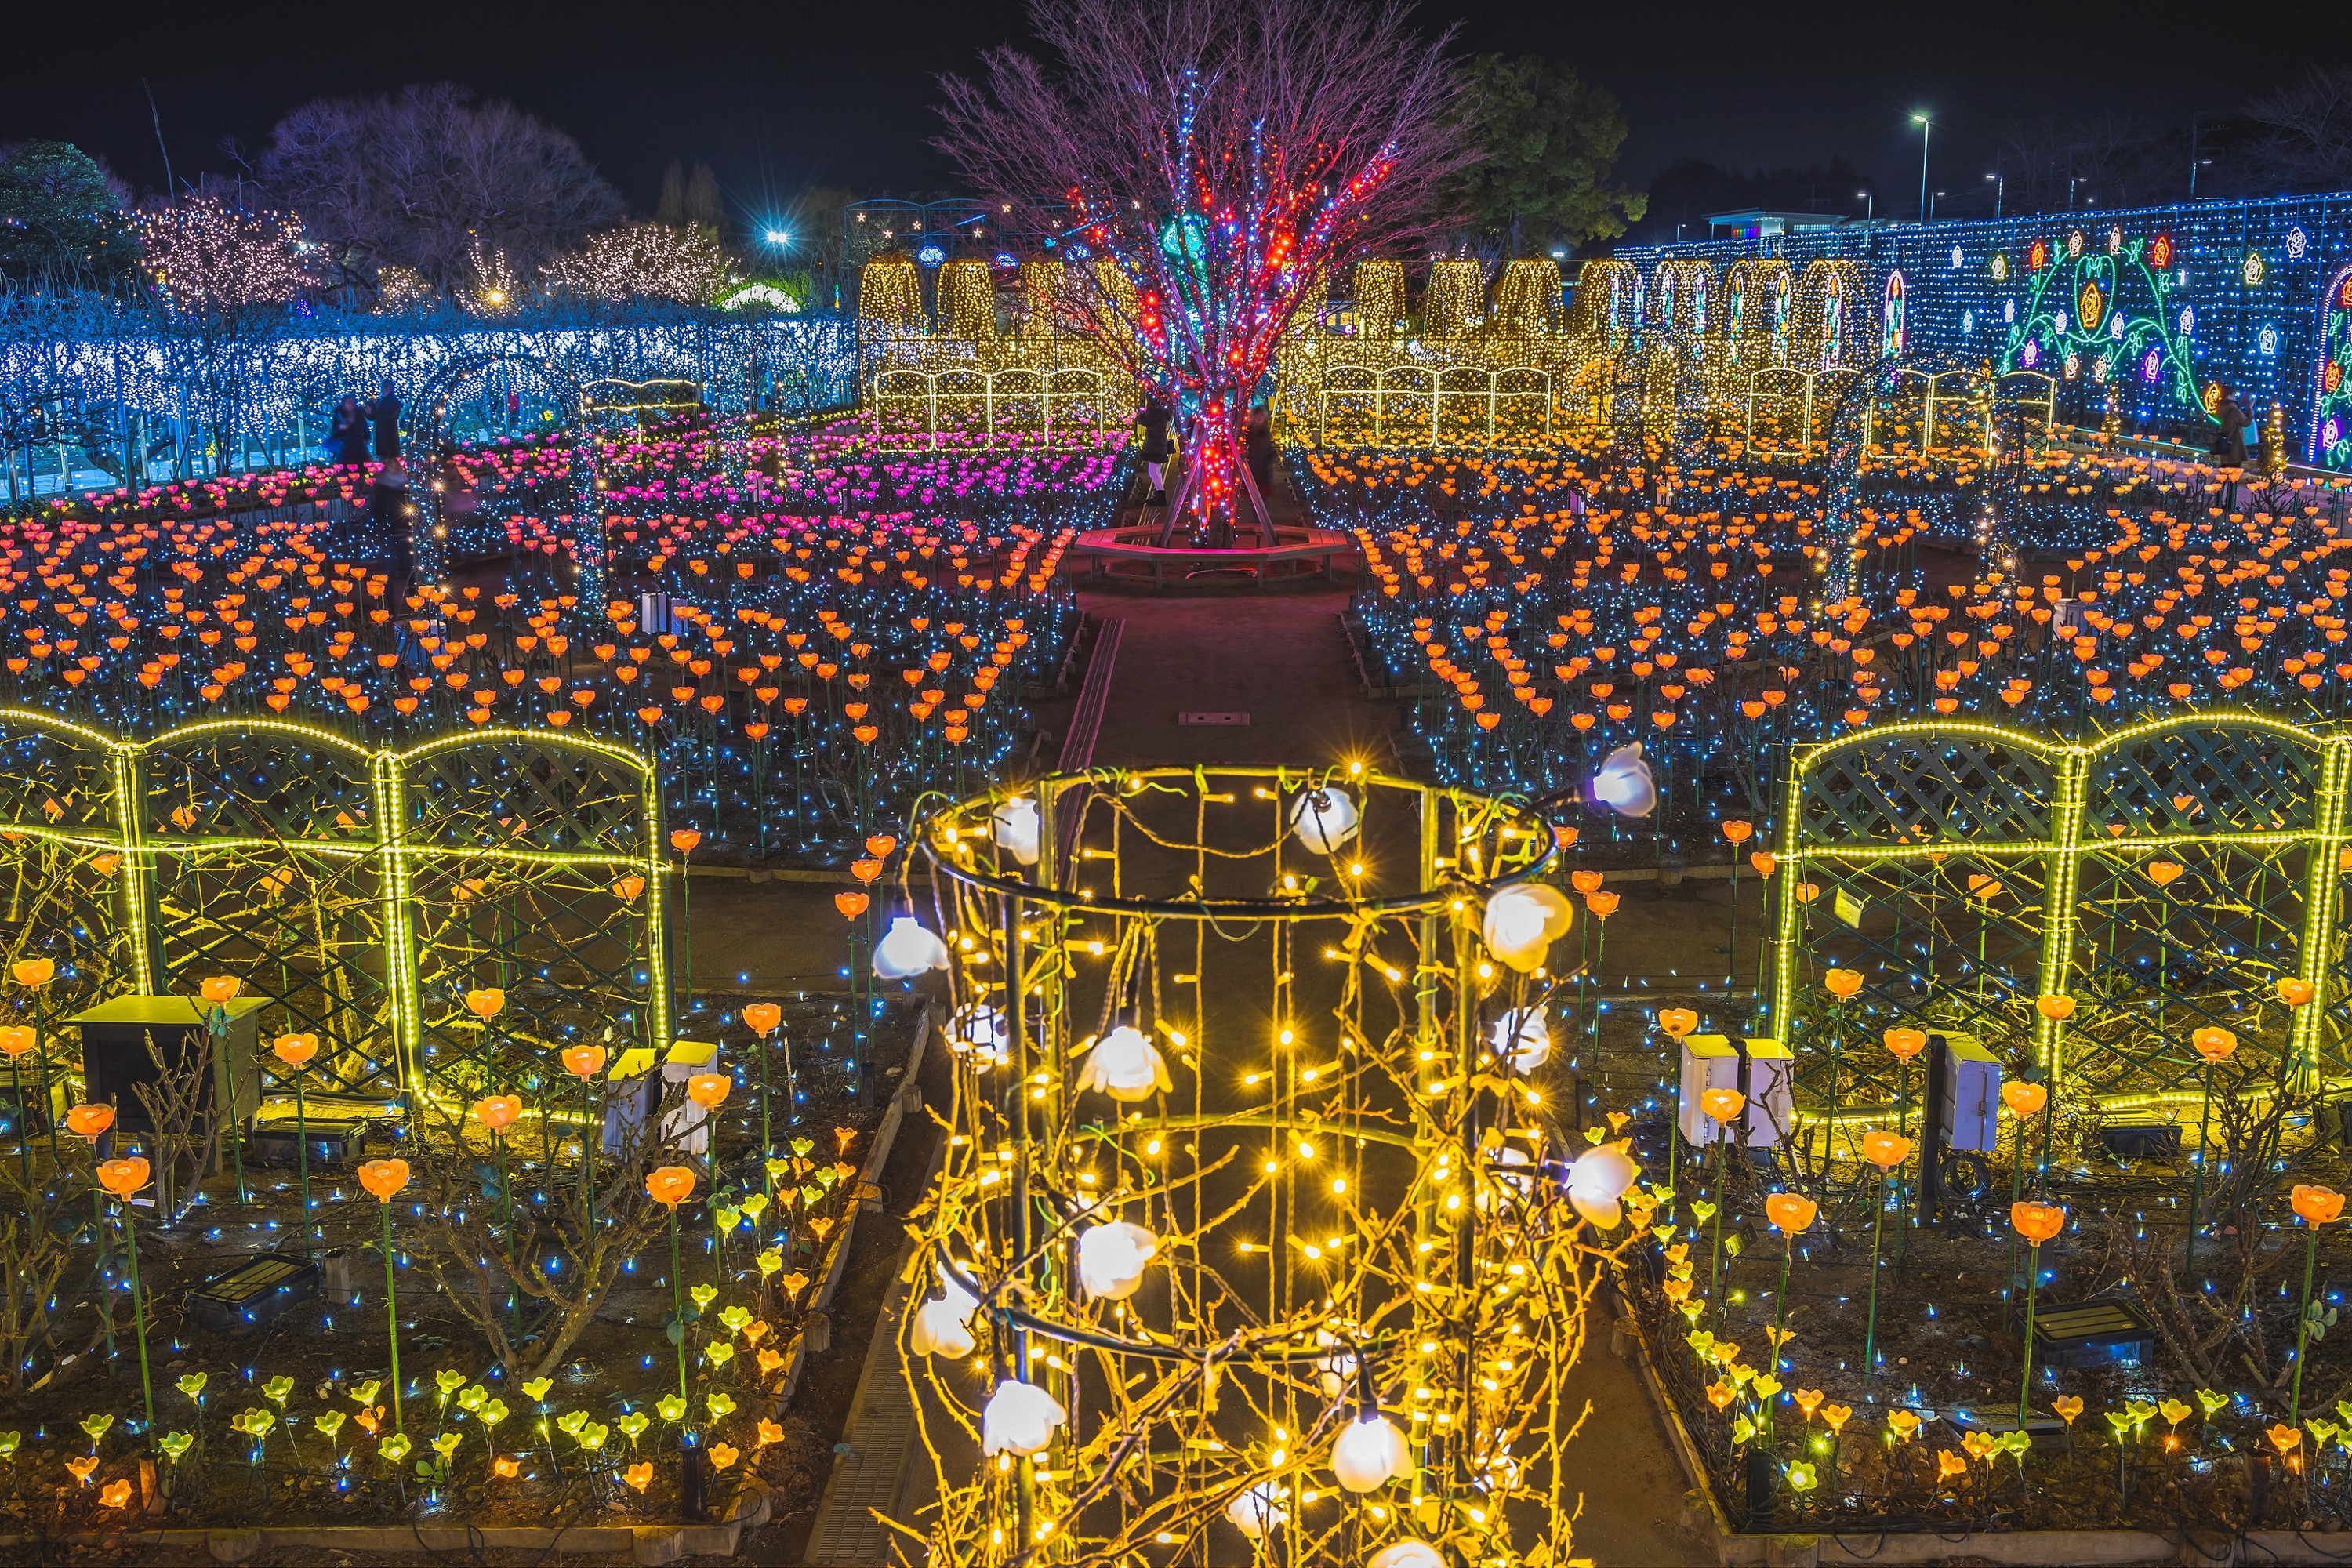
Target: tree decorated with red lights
x=1203 y=165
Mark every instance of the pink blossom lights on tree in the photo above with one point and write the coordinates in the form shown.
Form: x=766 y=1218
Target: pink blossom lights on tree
x=1203 y=165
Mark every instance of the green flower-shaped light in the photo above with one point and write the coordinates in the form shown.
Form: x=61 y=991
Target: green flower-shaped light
x=672 y=1408
x=719 y=1352
x=446 y=1444
x=474 y=1398
x=702 y=1296
x=450 y=1382
x=365 y=1394
x=277 y=1389
x=492 y=1412
x=721 y=1404
x=632 y=1426
x=591 y=1436
x=756 y=1204
x=175 y=1444
x=538 y=1386
x=770 y=1261
x=1801 y=1478
x=331 y=1422
x=571 y=1421
x=734 y=1318
x=192 y=1385
x=726 y=1219
x=97 y=1427
x=395 y=1448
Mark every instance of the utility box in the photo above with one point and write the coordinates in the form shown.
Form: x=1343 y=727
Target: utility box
x=629 y=1101
x=1709 y=1061
x=1772 y=1092
x=688 y=1127
x=1971 y=1107
x=115 y=1062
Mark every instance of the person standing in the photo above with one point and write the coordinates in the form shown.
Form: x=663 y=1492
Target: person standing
x=386 y=414
x=347 y=435
x=2230 y=445
x=1155 y=419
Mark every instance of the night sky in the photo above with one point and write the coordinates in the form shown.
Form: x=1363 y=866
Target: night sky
x=779 y=96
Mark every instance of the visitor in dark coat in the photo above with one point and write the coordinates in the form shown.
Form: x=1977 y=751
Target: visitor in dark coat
x=385 y=412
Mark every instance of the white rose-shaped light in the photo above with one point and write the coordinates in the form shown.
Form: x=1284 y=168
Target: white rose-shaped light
x=1625 y=785
x=981 y=1028
x=1522 y=923
x=1324 y=819
x=1406 y=1554
x=1112 y=1258
x=907 y=950
x=1125 y=1065
x=944 y=1327
x=1510 y=1182
x=1597 y=1181
x=1014 y=825
x=1021 y=1418
x=1258 y=1513
x=1523 y=1039
x=1370 y=1454
x=940 y=1329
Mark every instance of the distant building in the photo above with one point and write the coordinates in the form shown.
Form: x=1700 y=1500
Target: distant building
x=1758 y=222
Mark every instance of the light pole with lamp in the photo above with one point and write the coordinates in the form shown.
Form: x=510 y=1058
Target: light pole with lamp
x=1870 y=207
x=1932 y=200
x=1926 y=129
x=2000 y=188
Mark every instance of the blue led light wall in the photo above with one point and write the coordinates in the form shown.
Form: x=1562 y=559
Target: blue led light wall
x=2159 y=306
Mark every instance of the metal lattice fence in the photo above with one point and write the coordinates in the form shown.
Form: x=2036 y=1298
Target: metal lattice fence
x=2166 y=876
x=360 y=893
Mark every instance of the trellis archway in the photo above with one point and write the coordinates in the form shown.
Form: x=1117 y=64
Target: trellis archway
x=2167 y=876
x=357 y=893
x=440 y=527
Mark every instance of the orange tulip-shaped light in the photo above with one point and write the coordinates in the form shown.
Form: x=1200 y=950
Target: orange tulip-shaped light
x=34 y=972
x=90 y=1121
x=220 y=989
x=123 y=1177
x=2038 y=1222
x=497 y=1112
x=2163 y=872
x=294 y=1050
x=2215 y=1045
x=1842 y=984
x=2024 y=1099
x=762 y=1017
x=685 y=839
x=385 y=1178
x=1739 y=832
x=1722 y=1104
x=1790 y=1212
x=2296 y=993
x=583 y=1061
x=16 y=1041
x=1886 y=1150
x=1765 y=862
x=1905 y=1043
x=851 y=905
x=1677 y=1021
x=2317 y=1205
x=2056 y=1008
x=669 y=1185
x=707 y=1089
x=487 y=1003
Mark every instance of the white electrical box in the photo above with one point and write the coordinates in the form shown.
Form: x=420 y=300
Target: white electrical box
x=1772 y=1092
x=688 y=1126
x=1971 y=1093
x=1709 y=1061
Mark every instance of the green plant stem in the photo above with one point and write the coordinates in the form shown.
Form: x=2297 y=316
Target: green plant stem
x=302 y=1164
x=1870 y=1334
x=391 y=1313
x=677 y=1298
x=1715 y=1268
x=2197 y=1178
x=2032 y=1283
x=139 y=1320
x=2303 y=1322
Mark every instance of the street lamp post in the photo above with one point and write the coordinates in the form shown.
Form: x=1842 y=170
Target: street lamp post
x=2000 y=188
x=1870 y=207
x=1926 y=129
x=1931 y=206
